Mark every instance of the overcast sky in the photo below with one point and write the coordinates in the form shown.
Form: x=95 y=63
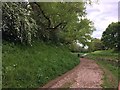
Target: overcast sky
x=102 y=14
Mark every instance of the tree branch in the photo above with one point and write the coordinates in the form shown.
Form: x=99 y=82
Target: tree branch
x=48 y=19
x=55 y=26
x=41 y=11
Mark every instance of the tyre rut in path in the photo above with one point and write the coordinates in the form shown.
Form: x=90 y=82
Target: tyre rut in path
x=86 y=75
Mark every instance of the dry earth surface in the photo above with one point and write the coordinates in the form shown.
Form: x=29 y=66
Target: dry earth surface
x=86 y=75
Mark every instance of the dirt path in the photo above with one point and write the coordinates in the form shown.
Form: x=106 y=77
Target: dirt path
x=86 y=75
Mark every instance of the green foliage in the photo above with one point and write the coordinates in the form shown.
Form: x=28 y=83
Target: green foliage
x=70 y=26
x=79 y=31
x=97 y=44
x=18 y=25
x=32 y=67
x=110 y=37
x=56 y=22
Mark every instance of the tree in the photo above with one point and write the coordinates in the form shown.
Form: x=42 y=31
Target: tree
x=63 y=22
x=55 y=16
x=110 y=36
x=97 y=44
x=61 y=25
x=18 y=25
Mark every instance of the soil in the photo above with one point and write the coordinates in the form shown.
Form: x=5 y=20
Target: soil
x=86 y=75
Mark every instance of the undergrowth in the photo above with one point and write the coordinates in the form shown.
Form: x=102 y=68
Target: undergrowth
x=33 y=66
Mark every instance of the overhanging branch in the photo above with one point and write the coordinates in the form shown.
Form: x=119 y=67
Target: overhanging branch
x=47 y=18
x=49 y=22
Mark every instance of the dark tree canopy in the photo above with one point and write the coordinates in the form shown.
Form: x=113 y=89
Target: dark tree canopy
x=110 y=36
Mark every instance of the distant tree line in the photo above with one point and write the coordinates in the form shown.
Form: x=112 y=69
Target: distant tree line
x=110 y=38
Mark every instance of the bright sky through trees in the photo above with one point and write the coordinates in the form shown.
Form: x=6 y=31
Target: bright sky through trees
x=102 y=14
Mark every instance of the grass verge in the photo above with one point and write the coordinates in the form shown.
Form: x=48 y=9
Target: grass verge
x=32 y=67
x=111 y=70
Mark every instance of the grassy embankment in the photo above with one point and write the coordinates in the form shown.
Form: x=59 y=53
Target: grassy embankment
x=32 y=67
x=108 y=60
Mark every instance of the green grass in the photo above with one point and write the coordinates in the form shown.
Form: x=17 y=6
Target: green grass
x=106 y=54
x=107 y=61
x=32 y=67
x=110 y=75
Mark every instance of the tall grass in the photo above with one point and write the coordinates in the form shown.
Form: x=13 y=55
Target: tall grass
x=32 y=67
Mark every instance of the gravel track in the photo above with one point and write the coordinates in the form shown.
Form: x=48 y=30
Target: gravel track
x=86 y=75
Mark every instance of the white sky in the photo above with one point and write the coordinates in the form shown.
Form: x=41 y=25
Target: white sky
x=102 y=14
